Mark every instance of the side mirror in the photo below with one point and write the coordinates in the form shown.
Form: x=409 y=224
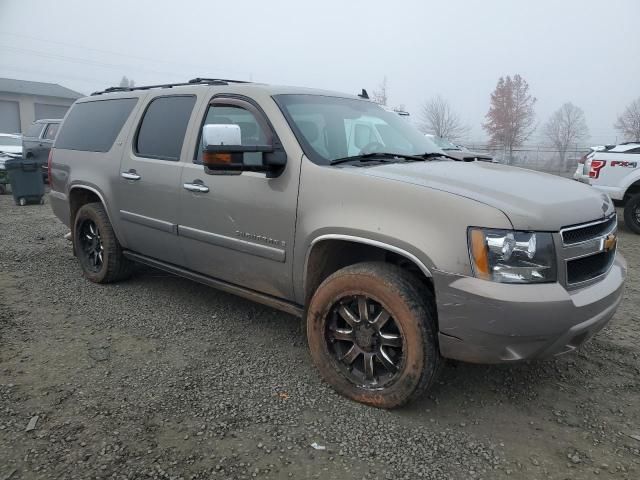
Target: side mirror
x=223 y=150
x=219 y=142
x=216 y=134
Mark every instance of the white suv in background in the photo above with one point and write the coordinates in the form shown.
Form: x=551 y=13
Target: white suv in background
x=616 y=171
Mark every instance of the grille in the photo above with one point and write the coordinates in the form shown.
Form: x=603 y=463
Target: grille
x=583 y=234
x=587 y=268
x=589 y=232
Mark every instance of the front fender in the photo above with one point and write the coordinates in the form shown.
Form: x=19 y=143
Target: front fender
x=426 y=225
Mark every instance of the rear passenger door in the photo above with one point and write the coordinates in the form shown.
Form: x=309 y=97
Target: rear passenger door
x=150 y=171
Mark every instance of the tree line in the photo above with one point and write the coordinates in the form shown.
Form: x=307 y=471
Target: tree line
x=511 y=119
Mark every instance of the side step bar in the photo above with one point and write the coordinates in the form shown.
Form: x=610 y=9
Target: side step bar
x=274 y=302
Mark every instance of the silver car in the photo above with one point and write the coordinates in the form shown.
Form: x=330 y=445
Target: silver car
x=326 y=206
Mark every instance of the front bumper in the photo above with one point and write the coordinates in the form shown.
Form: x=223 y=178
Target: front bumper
x=487 y=322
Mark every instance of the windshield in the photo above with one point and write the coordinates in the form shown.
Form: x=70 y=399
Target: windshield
x=444 y=144
x=330 y=128
x=10 y=141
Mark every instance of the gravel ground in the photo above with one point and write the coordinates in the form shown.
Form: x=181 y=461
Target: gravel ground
x=159 y=377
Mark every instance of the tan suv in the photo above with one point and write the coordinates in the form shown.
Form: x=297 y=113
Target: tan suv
x=329 y=207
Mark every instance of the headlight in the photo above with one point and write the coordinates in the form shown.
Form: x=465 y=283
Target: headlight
x=509 y=256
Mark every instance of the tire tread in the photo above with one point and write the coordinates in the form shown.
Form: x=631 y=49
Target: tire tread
x=118 y=266
x=420 y=301
x=629 y=214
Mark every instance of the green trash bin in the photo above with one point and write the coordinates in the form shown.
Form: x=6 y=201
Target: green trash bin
x=25 y=177
x=4 y=176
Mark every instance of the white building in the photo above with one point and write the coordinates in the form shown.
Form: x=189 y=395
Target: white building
x=22 y=102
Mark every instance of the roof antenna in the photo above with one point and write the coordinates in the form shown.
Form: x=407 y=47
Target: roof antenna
x=364 y=94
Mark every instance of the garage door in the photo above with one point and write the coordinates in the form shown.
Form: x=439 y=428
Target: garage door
x=49 y=111
x=9 y=117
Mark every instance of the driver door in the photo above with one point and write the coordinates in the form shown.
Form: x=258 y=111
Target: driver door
x=239 y=227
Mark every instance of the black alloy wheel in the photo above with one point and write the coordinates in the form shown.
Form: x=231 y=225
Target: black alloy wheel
x=365 y=341
x=91 y=250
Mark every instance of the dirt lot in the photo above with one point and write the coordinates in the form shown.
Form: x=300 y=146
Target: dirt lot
x=159 y=377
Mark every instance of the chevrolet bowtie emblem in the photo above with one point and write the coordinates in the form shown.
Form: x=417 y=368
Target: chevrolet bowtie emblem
x=609 y=242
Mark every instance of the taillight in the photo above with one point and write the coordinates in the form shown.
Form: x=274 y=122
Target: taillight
x=595 y=166
x=49 y=165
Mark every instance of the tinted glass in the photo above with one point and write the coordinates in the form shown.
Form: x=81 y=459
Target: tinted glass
x=163 y=127
x=329 y=128
x=52 y=131
x=34 y=130
x=251 y=131
x=94 y=126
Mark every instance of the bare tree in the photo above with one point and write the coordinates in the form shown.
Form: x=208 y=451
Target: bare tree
x=628 y=124
x=511 y=117
x=381 y=94
x=439 y=119
x=567 y=126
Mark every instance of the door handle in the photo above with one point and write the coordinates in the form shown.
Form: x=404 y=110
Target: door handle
x=130 y=175
x=196 y=187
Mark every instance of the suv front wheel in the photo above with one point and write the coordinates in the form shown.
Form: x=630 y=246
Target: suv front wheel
x=371 y=332
x=97 y=247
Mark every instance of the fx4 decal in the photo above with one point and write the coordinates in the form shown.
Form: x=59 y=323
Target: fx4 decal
x=621 y=163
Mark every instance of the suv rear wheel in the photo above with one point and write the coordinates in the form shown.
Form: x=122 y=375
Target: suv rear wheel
x=632 y=213
x=371 y=332
x=97 y=247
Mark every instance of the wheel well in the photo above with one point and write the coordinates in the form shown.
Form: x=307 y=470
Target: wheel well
x=77 y=198
x=329 y=256
x=633 y=189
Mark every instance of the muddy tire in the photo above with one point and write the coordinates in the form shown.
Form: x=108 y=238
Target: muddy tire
x=97 y=247
x=632 y=213
x=371 y=329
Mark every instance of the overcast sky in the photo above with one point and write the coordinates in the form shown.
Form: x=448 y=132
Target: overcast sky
x=583 y=51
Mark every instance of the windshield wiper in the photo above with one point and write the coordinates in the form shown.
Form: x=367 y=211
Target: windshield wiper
x=375 y=156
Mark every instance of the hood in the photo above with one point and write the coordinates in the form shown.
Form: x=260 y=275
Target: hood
x=11 y=148
x=531 y=200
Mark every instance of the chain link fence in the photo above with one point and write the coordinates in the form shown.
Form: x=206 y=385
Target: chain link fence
x=542 y=158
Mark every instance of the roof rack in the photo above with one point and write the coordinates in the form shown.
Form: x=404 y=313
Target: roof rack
x=193 y=81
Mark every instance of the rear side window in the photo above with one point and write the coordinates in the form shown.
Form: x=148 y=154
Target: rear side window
x=52 y=131
x=94 y=126
x=34 y=130
x=164 y=126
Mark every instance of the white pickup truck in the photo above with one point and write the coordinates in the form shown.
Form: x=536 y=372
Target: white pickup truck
x=616 y=171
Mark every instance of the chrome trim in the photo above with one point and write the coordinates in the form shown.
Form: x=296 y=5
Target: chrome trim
x=264 y=251
x=373 y=243
x=584 y=249
x=195 y=187
x=593 y=280
x=586 y=225
x=274 y=302
x=94 y=190
x=130 y=175
x=91 y=189
x=149 y=222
